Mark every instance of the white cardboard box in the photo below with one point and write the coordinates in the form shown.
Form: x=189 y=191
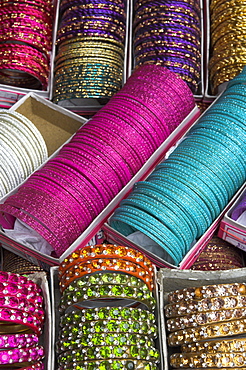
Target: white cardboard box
x=170 y=280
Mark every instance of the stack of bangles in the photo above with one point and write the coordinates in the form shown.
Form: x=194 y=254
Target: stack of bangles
x=227 y=40
x=185 y=193
x=209 y=325
x=107 y=310
x=21 y=323
x=25 y=43
x=22 y=149
x=168 y=33
x=61 y=199
x=218 y=254
x=90 y=54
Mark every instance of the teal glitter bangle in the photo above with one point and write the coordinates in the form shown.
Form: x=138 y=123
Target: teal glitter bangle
x=194 y=183
x=175 y=202
x=153 y=225
x=162 y=213
x=118 y=222
x=197 y=169
x=212 y=166
x=227 y=159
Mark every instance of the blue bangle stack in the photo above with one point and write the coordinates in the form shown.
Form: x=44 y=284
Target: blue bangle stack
x=176 y=204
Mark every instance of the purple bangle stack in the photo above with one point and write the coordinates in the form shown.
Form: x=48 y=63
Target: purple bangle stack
x=61 y=199
x=90 y=49
x=169 y=34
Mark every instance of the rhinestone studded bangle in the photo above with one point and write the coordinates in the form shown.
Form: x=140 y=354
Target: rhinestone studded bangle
x=96 y=292
x=21 y=355
x=110 y=352
x=18 y=340
x=105 y=251
x=225 y=345
x=207 y=291
x=113 y=364
x=207 y=360
x=204 y=318
x=101 y=339
x=37 y=366
x=206 y=304
x=234 y=327
x=97 y=265
x=130 y=326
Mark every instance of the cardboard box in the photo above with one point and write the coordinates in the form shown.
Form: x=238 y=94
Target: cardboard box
x=45 y=261
x=170 y=280
x=55 y=299
x=232 y=231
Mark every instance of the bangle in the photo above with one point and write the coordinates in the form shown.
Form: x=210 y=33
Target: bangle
x=36 y=366
x=105 y=251
x=108 y=313
x=18 y=355
x=204 y=318
x=18 y=341
x=147 y=353
x=94 y=293
x=207 y=360
x=214 y=346
x=123 y=364
x=205 y=304
x=230 y=328
x=207 y=291
x=97 y=265
x=100 y=339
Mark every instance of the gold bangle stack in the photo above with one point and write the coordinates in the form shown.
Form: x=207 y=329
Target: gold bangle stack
x=227 y=32
x=209 y=325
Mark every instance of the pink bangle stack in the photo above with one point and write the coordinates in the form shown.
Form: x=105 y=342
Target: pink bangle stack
x=21 y=321
x=61 y=199
x=25 y=43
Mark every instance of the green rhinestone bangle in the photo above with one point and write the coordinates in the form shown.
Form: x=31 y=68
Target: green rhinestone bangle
x=75 y=341
x=107 y=313
x=102 y=278
x=94 y=293
x=115 y=326
x=110 y=352
x=121 y=364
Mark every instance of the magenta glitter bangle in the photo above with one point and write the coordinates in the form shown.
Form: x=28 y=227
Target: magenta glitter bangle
x=120 y=145
x=40 y=229
x=38 y=206
x=18 y=355
x=119 y=166
x=94 y=165
x=122 y=169
x=122 y=150
x=61 y=194
x=66 y=185
x=18 y=340
x=120 y=137
x=82 y=184
x=94 y=157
